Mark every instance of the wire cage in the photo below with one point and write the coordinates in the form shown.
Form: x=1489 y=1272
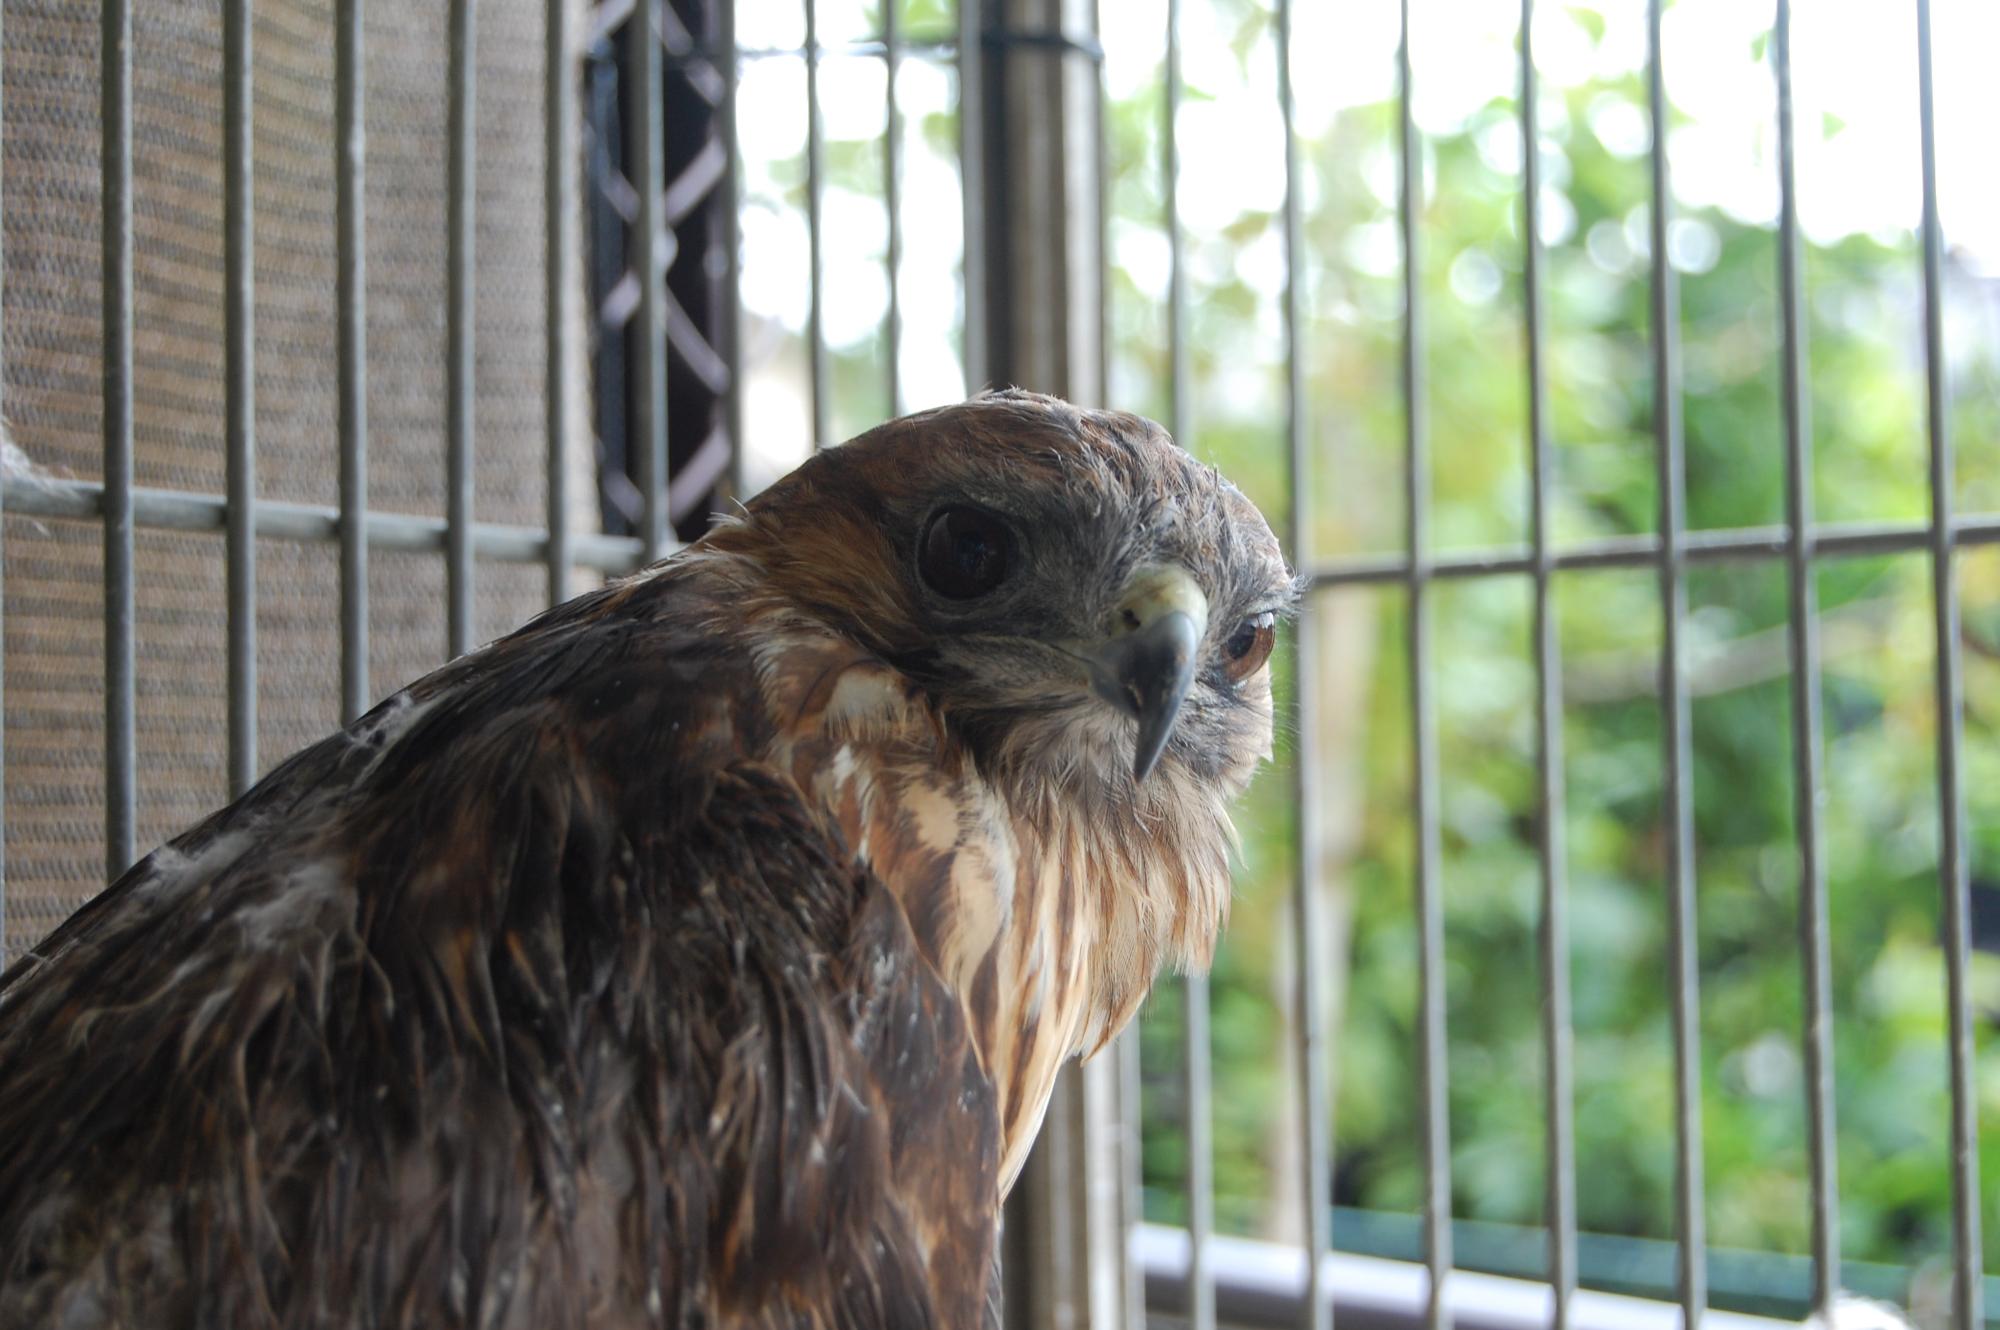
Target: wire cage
x=337 y=339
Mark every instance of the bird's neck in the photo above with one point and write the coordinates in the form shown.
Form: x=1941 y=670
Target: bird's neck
x=1047 y=917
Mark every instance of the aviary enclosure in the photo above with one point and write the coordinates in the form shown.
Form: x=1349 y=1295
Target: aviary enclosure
x=1627 y=373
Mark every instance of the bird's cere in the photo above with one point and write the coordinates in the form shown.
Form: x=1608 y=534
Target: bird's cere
x=1146 y=665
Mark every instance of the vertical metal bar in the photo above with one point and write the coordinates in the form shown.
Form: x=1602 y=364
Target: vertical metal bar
x=822 y=427
x=1310 y=1051
x=1683 y=972
x=971 y=174
x=351 y=295
x=646 y=117
x=892 y=201
x=1559 y=1138
x=1170 y=170
x=459 y=333
x=1803 y=633
x=3 y=615
x=732 y=249
x=120 y=749
x=558 y=284
x=1423 y=721
x=1953 y=879
x=1197 y=1082
x=239 y=333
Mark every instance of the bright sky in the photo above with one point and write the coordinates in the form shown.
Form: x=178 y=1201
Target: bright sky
x=1855 y=82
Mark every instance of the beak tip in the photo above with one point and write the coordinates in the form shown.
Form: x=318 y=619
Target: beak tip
x=1146 y=674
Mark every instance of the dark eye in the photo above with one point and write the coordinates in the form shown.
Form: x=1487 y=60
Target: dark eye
x=1250 y=645
x=966 y=552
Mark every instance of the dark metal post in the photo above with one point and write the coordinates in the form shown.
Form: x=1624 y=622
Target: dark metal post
x=1068 y=1220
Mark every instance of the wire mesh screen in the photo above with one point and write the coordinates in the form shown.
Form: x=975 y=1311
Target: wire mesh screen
x=52 y=394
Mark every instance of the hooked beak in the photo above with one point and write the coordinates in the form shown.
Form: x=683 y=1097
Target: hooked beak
x=1146 y=666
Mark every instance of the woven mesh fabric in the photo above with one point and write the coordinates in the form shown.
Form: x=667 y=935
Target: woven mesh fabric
x=50 y=338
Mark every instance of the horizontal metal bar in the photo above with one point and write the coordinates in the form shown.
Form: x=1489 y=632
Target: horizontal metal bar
x=937 y=48
x=1716 y=546
x=177 y=510
x=1263 y=1284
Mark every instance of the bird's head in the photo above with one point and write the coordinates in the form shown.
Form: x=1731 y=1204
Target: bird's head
x=1089 y=608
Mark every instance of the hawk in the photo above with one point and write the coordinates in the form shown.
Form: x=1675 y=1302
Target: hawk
x=701 y=954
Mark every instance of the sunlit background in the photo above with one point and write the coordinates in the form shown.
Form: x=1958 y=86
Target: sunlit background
x=1859 y=196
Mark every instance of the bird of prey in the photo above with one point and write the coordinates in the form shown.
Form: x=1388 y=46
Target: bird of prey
x=702 y=953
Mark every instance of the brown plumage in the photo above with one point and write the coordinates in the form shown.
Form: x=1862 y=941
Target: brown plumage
x=700 y=954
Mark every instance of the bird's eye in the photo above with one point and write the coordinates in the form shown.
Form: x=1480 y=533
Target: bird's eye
x=966 y=552
x=1250 y=645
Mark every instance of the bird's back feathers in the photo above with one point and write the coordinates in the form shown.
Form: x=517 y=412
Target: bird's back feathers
x=526 y=1001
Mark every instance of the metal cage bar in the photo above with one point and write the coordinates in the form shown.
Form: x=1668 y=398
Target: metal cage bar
x=1558 y=1089
x=460 y=362
x=1717 y=545
x=1309 y=1051
x=1434 y=1107
x=646 y=112
x=351 y=298
x=3 y=542
x=178 y=510
x=1671 y=559
x=971 y=174
x=1802 y=631
x=239 y=334
x=730 y=317
x=120 y=747
x=559 y=290
x=816 y=369
x=892 y=203
x=1197 y=1081
x=1953 y=873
